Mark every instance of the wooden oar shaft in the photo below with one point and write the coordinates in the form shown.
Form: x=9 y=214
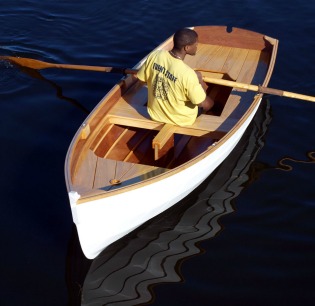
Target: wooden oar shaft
x=94 y=68
x=259 y=89
x=39 y=65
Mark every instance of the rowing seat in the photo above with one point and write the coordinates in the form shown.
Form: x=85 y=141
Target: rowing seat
x=128 y=112
x=137 y=116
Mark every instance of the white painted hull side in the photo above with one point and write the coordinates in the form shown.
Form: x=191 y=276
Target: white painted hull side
x=103 y=221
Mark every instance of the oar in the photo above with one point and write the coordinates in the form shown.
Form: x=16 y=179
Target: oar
x=38 y=65
x=260 y=89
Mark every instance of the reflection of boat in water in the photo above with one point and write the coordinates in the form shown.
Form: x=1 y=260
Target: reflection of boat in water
x=285 y=162
x=124 y=273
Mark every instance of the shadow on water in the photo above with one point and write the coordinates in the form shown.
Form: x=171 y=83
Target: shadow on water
x=37 y=75
x=127 y=270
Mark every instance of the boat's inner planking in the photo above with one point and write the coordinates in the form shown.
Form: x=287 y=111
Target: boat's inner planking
x=121 y=151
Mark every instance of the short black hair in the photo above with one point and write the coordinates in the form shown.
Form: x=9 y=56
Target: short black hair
x=184 y=37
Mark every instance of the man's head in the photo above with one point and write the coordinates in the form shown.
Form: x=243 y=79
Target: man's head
x=186 y=39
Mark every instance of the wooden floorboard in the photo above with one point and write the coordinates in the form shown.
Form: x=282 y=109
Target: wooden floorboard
x=219 y=58
x=235 y=62
x=86 y=171
x=203 y=57
x=104 y=173
x=249 y=67
x=125 y=172
x=108 y=140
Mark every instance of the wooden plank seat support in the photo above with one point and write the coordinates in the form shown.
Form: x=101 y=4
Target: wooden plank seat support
x=164 y=136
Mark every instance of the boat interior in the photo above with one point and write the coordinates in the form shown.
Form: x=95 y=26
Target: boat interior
x=128 y=147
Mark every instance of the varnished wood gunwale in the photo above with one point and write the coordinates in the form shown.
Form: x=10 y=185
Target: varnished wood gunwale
x=255 y=43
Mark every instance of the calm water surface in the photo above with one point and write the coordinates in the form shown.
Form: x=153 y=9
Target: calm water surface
x=248 y=241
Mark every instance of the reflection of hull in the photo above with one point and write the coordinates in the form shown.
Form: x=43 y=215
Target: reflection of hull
x=124 y=272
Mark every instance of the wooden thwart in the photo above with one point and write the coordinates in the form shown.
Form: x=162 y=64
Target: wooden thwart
x=205 y=125
x=128 y=115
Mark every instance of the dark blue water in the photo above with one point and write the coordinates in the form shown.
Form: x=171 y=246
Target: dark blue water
x=259 y=251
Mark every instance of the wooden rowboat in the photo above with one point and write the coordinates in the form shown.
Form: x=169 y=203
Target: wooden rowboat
x=122 y=168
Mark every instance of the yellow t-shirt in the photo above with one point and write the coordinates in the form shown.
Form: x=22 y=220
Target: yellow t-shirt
x=173 y=89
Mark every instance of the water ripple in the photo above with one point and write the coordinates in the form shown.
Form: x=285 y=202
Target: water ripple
x=11 y=80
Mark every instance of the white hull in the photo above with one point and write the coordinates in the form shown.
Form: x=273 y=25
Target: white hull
x=103 y=221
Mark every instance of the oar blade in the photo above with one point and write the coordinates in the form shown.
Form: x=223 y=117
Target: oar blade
x=27 y=62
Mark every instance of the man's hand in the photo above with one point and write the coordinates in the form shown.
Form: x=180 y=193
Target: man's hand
x=207 y=104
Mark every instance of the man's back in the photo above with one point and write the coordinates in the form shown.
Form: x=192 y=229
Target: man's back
x=174 y=90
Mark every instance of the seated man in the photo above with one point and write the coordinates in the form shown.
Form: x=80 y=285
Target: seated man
x=174 y=89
